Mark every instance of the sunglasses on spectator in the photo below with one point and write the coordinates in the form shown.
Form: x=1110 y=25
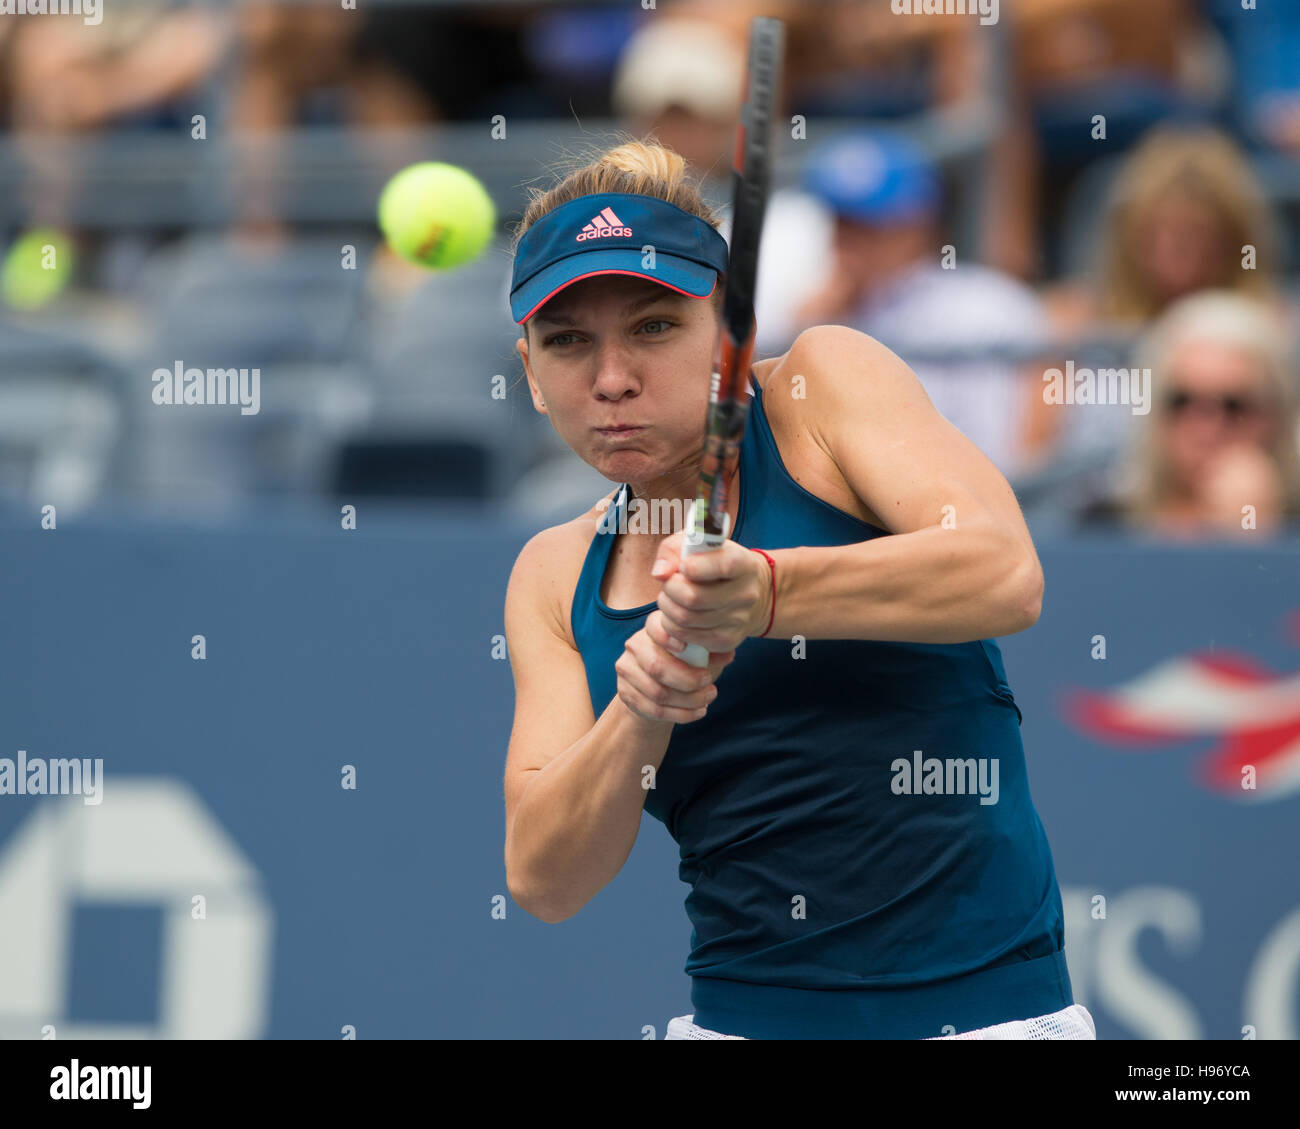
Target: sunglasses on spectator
x=1179 y=401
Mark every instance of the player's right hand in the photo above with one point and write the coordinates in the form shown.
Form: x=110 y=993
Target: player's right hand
x=657 y=685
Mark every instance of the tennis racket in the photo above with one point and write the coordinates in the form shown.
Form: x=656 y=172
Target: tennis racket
x=708 y=524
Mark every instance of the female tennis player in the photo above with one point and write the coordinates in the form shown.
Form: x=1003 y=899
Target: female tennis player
x=846 y=779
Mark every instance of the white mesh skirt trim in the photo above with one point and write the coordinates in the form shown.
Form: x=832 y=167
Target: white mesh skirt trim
x=1073 y=1022
x=683 y=1028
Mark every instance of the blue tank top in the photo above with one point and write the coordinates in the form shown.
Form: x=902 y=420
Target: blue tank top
x=833 y=892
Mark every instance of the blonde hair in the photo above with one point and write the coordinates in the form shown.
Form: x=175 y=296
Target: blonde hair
x=1206 y=165
x=643 y=167
x=1229 y=319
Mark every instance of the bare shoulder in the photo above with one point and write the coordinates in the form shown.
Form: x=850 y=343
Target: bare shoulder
x=852 y=386
x=809 y=380
x=837 y=356
x=546 y=571
x=827 y=362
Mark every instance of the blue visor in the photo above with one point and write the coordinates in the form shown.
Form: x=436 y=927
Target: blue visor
x=615 y=233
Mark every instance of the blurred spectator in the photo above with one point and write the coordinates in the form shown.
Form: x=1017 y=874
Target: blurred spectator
x=1074 y=61
x=385 y=66
x=390 y=65
x=850 y=58
x=681 y=75
x=141 y=67
x=574 y=52
x=307 y=64
x=873 y=62
x=1182 y=212
x=1265 y=43
x=966 y=330
x=681 y=80
x=146 y=68
x=1222 y=431
x=8 y=37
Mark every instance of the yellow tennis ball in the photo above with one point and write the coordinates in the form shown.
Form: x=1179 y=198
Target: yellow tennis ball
x=436 y=215
x=36 y=268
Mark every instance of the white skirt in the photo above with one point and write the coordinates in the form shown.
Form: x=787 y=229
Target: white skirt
x=1072 y=1022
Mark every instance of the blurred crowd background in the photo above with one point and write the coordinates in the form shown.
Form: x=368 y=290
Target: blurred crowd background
x=1079 y=184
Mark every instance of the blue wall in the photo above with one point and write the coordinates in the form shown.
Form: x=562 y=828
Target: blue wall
x=373 y=907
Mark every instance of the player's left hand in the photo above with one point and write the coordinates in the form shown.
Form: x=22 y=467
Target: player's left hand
x=718 y=598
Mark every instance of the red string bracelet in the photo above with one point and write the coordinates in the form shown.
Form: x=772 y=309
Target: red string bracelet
x=772 y=565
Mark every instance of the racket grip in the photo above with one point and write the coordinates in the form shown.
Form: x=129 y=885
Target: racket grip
x=696 y=655
x=699 y=542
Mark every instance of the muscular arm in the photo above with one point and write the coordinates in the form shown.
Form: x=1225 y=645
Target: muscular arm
x=962 y=565
x=573 y=783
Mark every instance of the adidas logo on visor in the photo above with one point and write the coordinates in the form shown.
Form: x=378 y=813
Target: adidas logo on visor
x=604 y=226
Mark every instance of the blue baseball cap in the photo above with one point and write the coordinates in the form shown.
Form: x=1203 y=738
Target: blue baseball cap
x=612 y=233
x=873 y=176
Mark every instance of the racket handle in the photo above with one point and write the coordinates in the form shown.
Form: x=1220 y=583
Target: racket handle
x=694 y=542
x=696 y=655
